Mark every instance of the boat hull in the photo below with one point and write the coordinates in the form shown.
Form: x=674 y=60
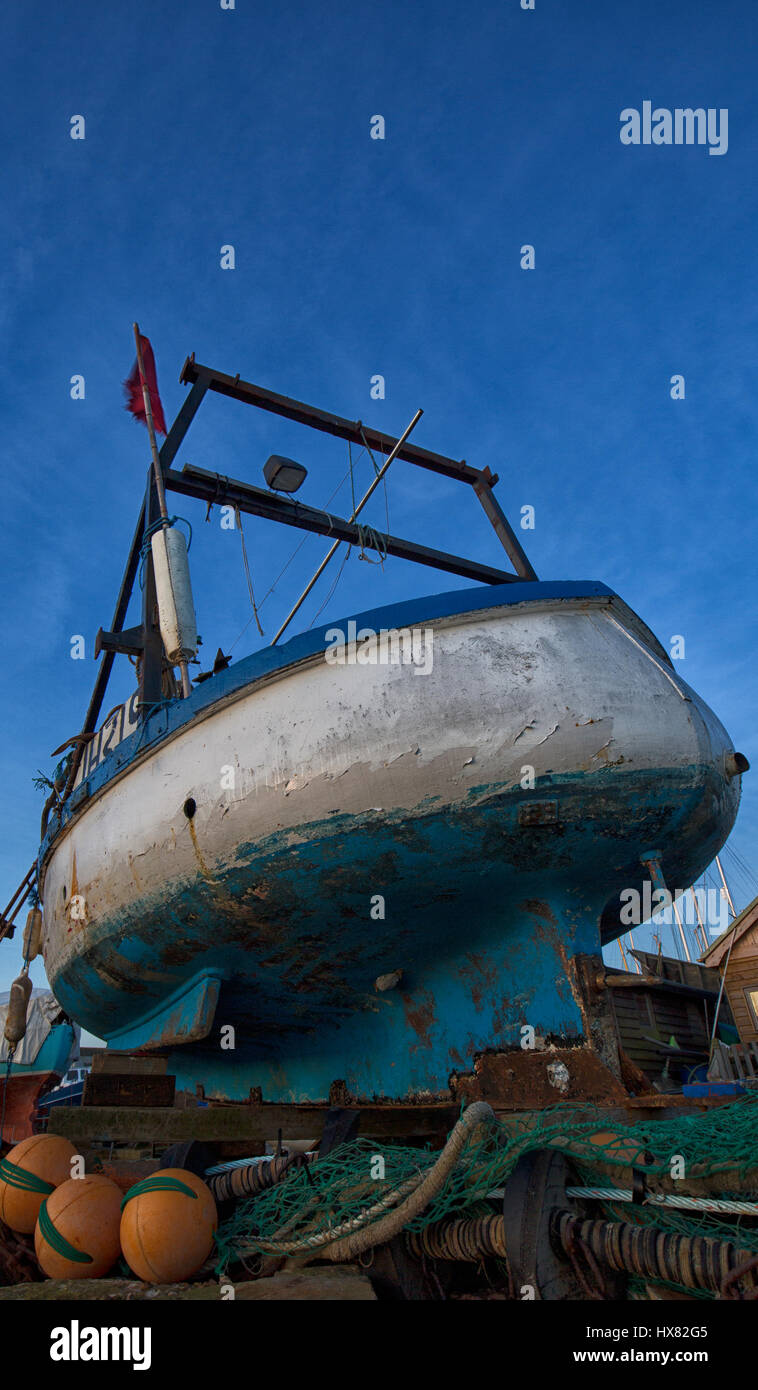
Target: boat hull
x=367 y=873
x=28 y=1082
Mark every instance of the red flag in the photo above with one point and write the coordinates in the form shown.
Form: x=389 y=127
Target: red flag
x=133 y=388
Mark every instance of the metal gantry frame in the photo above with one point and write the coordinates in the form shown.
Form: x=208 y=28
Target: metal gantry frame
x=219 y=489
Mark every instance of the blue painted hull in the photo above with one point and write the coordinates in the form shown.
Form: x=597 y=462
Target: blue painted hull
x=53 y=1056
x=298 y=985
x=30 y=1080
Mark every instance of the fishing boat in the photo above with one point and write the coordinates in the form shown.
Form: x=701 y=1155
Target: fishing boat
x=38 y=1063
x=69 y=1091
x=369 y=853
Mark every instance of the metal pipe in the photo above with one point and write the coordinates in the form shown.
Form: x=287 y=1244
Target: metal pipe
x=357 y=511
x=106 y=665
x=503 y=529
x=216 y=488
x=16 y=903
x=336 y=425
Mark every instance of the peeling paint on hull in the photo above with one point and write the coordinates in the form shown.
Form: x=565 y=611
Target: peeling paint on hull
x=358 y=782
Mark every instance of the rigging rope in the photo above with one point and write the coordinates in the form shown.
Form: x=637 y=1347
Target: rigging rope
x=322 y=606
x=366 y=534
x=247 y=570
x=376 y=471
x=286 y=566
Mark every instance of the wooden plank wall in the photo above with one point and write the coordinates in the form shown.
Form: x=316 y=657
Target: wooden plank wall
x=657 y=1013
x=741 y=975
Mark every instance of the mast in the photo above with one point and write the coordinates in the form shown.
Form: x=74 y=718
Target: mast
x=726 y=886
x=159 y=487
x=728 y=954
x=702 y=939
x=637 y=965
x=680 y=925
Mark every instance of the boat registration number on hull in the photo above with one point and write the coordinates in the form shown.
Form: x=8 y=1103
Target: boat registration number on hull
x=121 y=722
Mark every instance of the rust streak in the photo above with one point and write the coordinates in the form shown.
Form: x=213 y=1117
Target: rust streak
x=198 y=854
x=421 y=1017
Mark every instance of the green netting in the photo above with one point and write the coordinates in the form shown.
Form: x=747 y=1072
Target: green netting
x=636 y=1289
x=361 y=1181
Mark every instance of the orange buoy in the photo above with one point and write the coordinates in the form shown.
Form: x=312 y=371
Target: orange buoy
x=28 y=1174
x=77 y=1230
x=167 y=1226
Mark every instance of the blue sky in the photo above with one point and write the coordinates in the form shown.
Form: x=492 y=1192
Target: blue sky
x=355 y=256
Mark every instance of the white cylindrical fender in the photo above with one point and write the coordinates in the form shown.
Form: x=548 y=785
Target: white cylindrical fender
x=32 y=934
x=173 y=589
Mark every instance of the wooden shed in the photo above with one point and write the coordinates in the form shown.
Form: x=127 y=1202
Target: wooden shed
x=735 y=953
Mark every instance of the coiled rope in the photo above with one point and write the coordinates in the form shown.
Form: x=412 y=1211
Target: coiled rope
x=246 y=1180
x=431 y=1182
x=394 y=1209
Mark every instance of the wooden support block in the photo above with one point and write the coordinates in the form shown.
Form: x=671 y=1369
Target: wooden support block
x=114 y=1088
x=244 y=1122
x=128 y=1063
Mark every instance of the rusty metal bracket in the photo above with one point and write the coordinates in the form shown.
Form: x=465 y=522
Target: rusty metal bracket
x=340 y=1127
x=129 y=640
x=730 y=1284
